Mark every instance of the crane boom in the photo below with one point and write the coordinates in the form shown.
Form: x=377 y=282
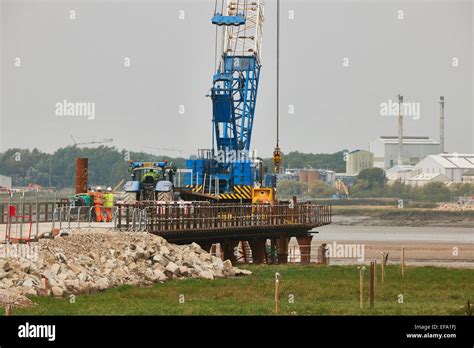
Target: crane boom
x=235 y=83
x=227 y=165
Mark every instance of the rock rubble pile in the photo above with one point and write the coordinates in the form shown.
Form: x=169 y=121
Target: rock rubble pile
x=85 y=262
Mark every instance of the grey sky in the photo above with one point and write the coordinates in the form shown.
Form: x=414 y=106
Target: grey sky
x=172 y=62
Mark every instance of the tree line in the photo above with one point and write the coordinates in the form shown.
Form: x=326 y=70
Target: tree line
x=108 y=165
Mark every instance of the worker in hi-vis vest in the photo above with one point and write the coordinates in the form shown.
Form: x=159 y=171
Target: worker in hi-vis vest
x=98 y=204
x=109 y=203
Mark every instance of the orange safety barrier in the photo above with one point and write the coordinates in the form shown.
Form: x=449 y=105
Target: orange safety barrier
x=18 y=221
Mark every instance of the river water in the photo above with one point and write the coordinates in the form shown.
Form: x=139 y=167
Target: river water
x=396 y=233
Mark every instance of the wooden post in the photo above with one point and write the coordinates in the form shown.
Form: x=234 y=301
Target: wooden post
x=375 y=276
x=402 y=261
x=361 y=285
x=372 y=284
x=277 y=288
x=382 y=254
x=322 y=254
x=37 y=208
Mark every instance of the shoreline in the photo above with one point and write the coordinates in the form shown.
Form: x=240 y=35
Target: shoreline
x=391 y=216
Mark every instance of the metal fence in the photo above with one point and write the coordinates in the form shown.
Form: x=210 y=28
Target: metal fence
x=80 y=218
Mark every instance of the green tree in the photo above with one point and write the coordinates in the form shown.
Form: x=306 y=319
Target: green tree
x=436 y=192
x=375 y=177
x=295 y=159
x=107 y=165
x=291 y=188
x=318 y=189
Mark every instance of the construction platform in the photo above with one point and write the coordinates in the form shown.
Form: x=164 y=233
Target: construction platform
x=259 y=233
x=230 y=224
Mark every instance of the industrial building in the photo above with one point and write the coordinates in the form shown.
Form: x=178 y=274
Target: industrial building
x=425 y=178
x=468 y=177
x=359 y=160
x=401 y=173
x=5 y=182
x=415 y=148
x=453 y=165
x=308 y=176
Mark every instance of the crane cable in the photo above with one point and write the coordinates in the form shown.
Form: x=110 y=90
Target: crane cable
x=245 y=28
x=237 y=29
x=215 y=42
x=278 y=76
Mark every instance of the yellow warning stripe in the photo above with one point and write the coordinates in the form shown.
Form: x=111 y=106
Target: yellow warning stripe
x=241 y=192
x=244 y=191
x=234 y=196
x=197 y=188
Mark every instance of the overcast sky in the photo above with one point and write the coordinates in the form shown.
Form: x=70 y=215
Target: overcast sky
x=172 y=60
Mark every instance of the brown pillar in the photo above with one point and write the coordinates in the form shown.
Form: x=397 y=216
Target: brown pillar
x=228 y=248
x=258 y=250
x=282 y=247
x=271 y=257
x=82 y=167
x=305 y=248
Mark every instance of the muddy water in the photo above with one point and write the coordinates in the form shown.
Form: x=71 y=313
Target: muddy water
x=396 y=233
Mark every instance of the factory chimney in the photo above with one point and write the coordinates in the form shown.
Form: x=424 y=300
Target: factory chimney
x=441 y=124
x=400 y=129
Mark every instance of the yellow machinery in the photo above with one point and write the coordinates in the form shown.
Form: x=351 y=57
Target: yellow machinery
x=263 y=195
x=342 y=189
x=276 y=160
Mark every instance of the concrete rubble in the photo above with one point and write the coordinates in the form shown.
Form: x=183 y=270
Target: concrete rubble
x=85 y=262
x=456 y=206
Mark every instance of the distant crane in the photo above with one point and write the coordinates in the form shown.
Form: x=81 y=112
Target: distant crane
x=94 y=141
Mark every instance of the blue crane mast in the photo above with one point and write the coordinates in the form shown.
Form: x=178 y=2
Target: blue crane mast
x=230 y=164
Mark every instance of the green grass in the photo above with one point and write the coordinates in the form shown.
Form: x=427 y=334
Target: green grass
x=317 y=290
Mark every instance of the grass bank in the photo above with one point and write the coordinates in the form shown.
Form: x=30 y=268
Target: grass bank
x=316 y=290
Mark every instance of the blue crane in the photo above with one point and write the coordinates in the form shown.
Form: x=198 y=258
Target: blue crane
x=230 y=165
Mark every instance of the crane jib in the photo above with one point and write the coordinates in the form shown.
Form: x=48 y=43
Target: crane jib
x=234 y=94
x=219 y=19
x=234 y=90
